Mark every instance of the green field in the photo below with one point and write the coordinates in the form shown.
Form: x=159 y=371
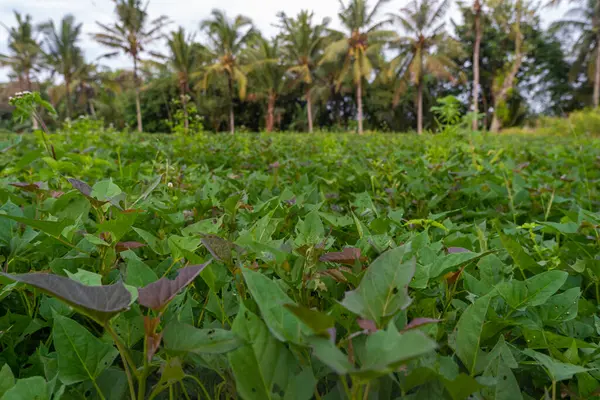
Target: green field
x=339 y=266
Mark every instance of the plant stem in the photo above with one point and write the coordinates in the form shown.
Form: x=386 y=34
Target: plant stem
x=199 y=384
x=144 y=374
x=125 y=357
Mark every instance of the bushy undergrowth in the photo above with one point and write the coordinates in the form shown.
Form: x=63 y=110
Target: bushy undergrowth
x=297 y=266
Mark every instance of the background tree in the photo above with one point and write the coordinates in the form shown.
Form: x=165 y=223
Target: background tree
x=185 y=59
x=478 y=32
x=426 y=50
x=357 y=48
x=510 y=15
x=25 y=53
x=63 y=54
x=303 y=44
x=133 y=31
x=226 y=40
x=267 y=71
x=585 y=22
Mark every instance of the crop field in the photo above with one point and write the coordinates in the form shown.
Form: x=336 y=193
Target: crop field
x=295 y=266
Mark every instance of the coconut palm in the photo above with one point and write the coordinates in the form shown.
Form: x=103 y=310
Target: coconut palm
x=476 y=51
x=585 y=20
x=185 y=59
x=267 y=72
x=62 y=53
x=426 y=49
x=358 y=48
x=303 y=44
x=25 y=53
x=227 y=38
x=131 y=34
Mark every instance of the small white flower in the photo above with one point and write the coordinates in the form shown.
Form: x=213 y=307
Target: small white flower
x=170 y=185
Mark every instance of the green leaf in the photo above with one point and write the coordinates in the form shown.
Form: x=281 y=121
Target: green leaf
x=507 y=386
x=81 y=356
x=462 y=387
x=186 y=338
x=558 y=371
x=560 y=307
x=86 y=277
x=386 y=350
x=518 y=254
x=534 y=291
x=262 y=363
x=452 y=262
x=98 y=302
x=34 y=388
x=383 y=290
x=160 y=247
x=52 y=228
x=138 y=274
x=7 y=379
x=330 y=355
x=468 y=332
x=315 y=320
x=310 y=231
x=271 y=301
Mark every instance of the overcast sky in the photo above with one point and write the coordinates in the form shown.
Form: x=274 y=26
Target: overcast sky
x=186 y=13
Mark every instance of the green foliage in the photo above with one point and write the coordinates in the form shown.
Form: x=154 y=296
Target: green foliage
x=287 y=267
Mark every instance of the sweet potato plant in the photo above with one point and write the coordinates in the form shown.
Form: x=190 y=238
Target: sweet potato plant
x=299 y=267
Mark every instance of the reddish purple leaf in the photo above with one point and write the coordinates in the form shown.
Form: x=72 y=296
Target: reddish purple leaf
x=83 y=187
x=28 y=187
x=122 y=246
x=367 y=324
x=418 y=322
x=158 y=294
x=347 y=256
x=452 y=250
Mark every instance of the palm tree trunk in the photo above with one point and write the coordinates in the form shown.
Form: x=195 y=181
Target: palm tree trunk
x=186 y=117
x=231 y=114
x=138 y=107
x=270 y=112
x=597 y=72
x=478 y=34
x=68 y=96
x=92 y=108
x=360 y=106
x=309 y=111
x=420 y=107
x=509 y=79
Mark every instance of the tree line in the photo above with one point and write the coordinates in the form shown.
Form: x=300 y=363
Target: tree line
x=380 y=71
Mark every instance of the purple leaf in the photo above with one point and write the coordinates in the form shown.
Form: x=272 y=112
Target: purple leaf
x=367 y=324
x=452 y=250
x=158 y=294
x=347 y=256
x=418 y=322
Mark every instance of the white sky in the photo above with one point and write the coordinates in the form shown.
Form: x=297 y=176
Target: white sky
x=187 y=13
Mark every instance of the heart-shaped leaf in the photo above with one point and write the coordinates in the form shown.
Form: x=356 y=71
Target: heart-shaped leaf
x=347 y=256
x=218 y=247
x=100 y=303
x=158 y=294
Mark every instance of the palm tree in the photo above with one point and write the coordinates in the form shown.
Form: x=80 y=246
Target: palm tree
x=504 y=84
x=586 y=21
x=476 y=52
x=263 y=59
x=25 y=53
x=303 y=45
x=428 y=46
x=132 y=32
x=62 y=52
x=359 y=47
x=185 y=59
x=227 y=39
